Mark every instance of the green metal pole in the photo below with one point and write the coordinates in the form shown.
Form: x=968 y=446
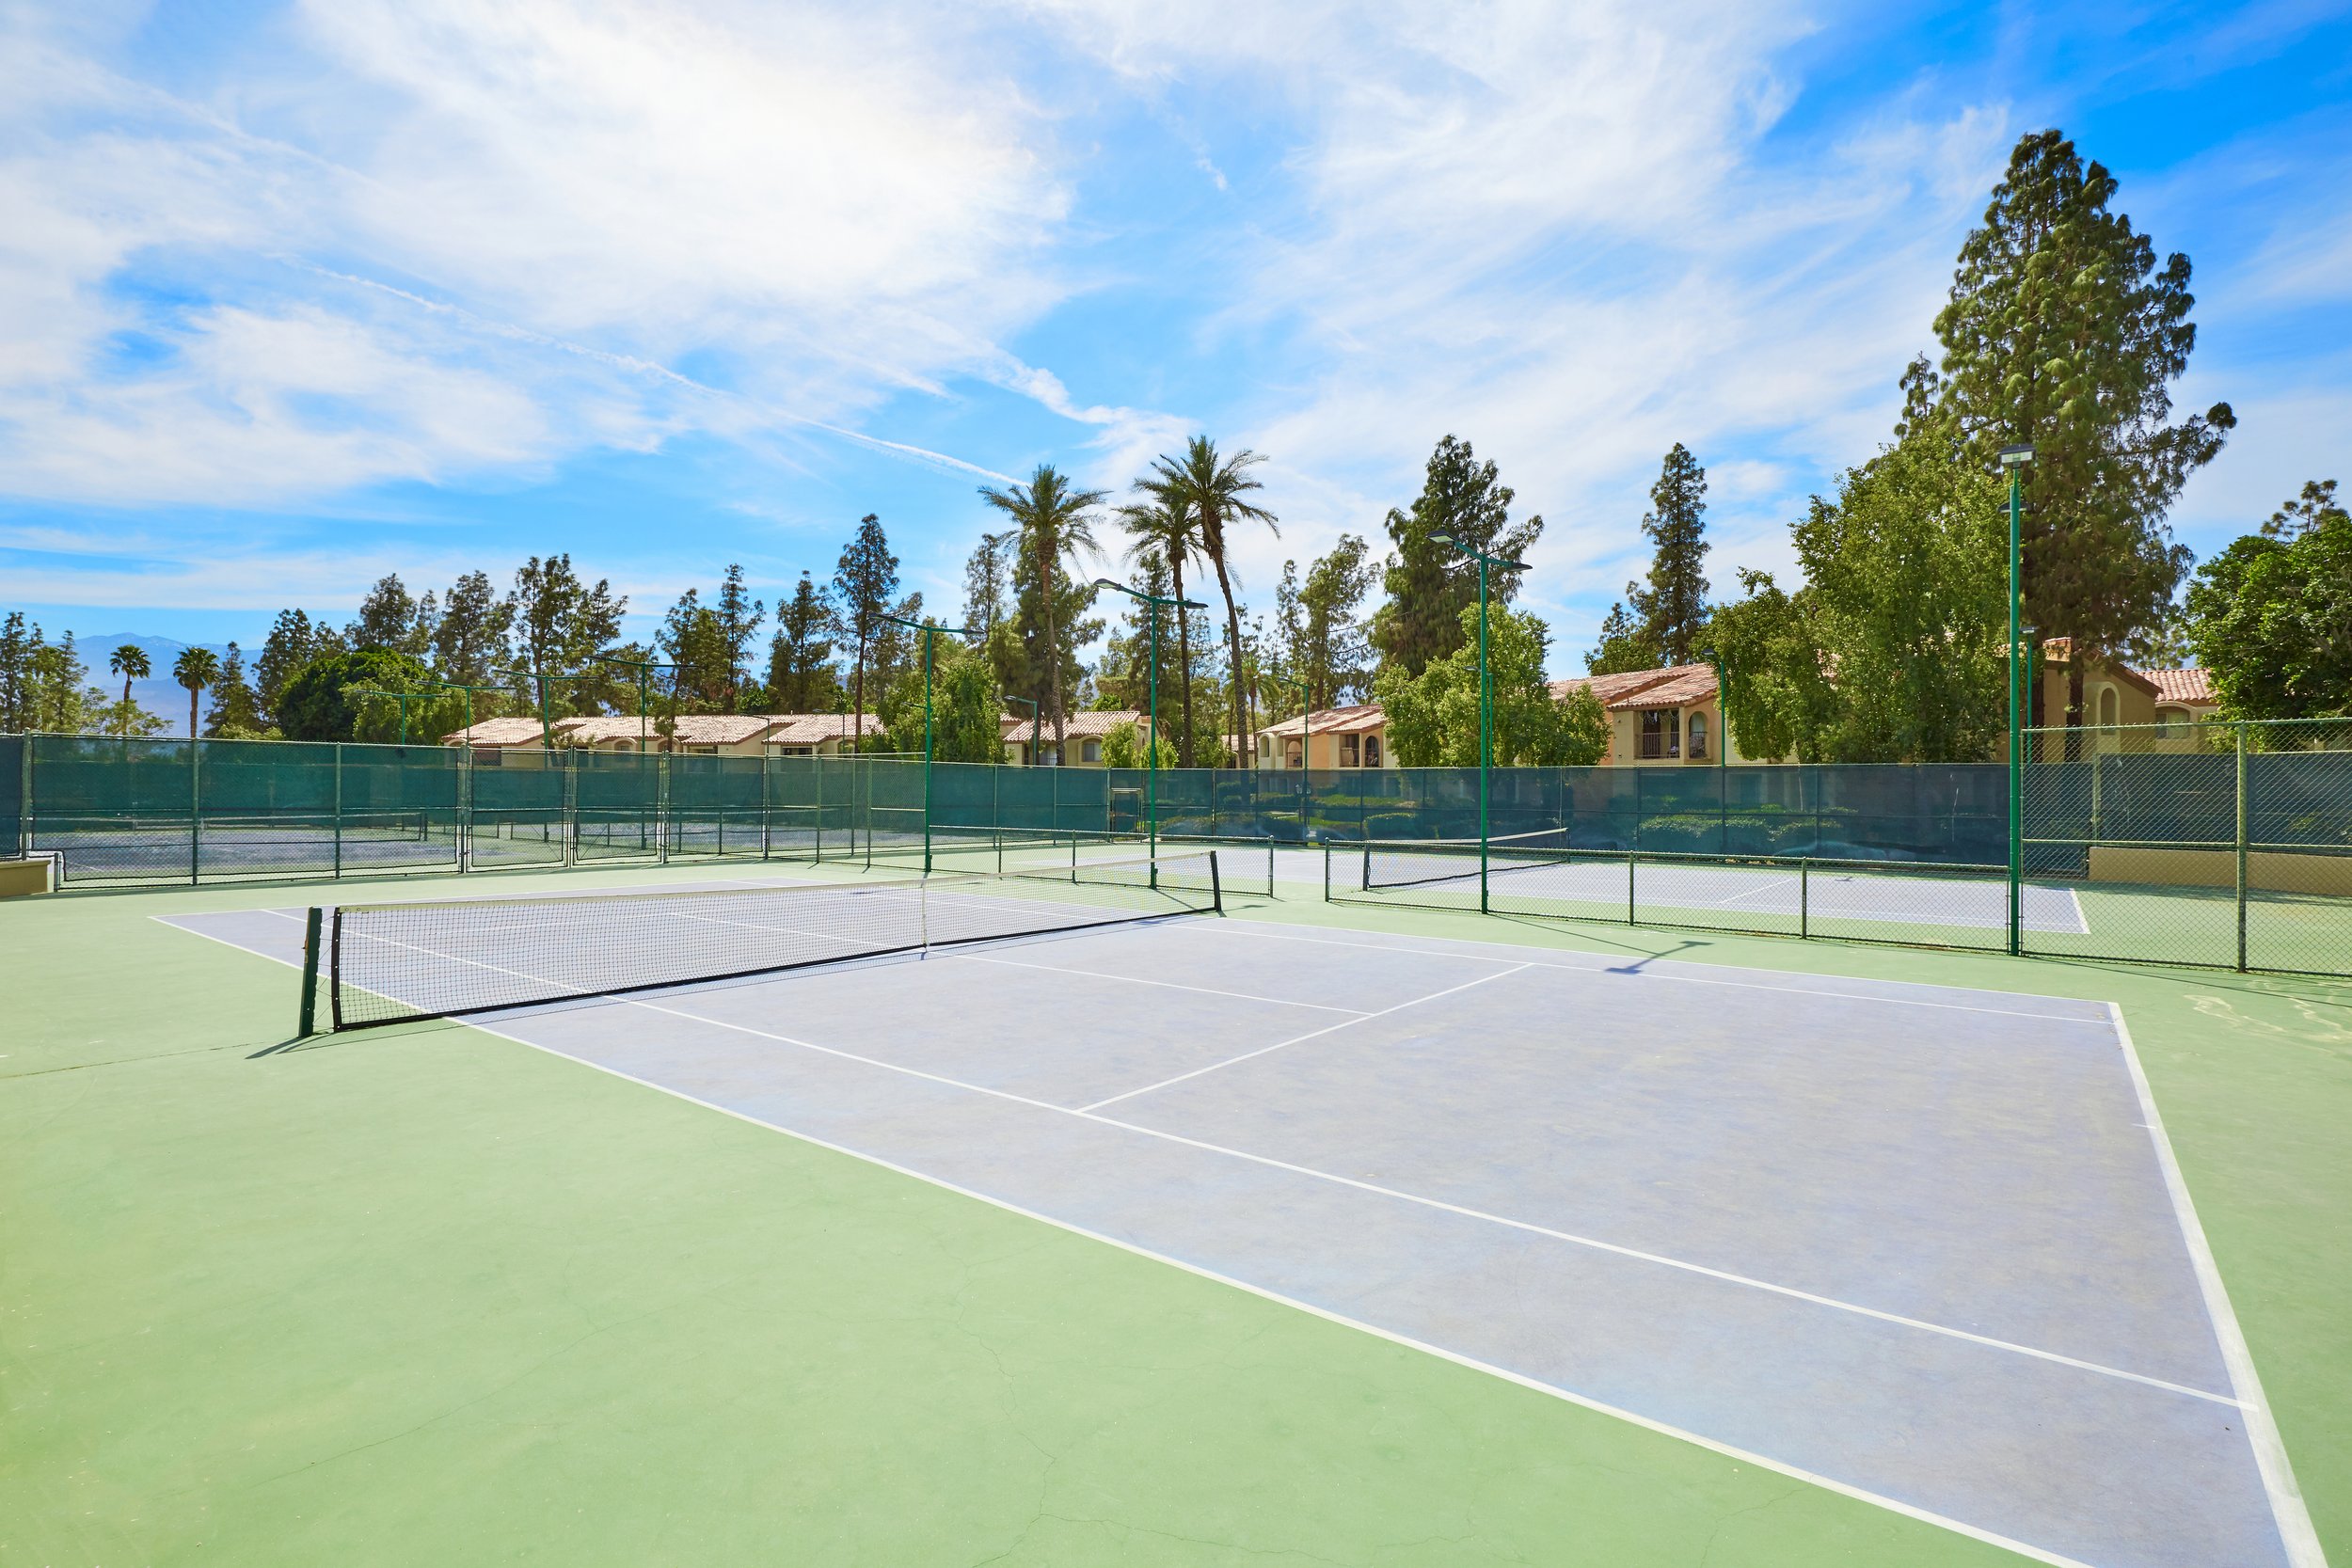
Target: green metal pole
x=927 y=751
x=1485 y=701
x=1152 y=752
x=2017 y=732
x=2241 y=846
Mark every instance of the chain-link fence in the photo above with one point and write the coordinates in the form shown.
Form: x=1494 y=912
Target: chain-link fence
x=2217 y=844
x=2210 y=844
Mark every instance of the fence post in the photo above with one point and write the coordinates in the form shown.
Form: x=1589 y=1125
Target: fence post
x=1630 y=856
x=1805 y=896
x=2241 y=846
x=339 y=810
x=195 y=809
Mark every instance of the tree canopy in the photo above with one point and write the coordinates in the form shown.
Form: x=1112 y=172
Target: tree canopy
x=320 y=703
x=2271 y=618
x=1433 y=717
x=1665 y=622
x=1428 y=584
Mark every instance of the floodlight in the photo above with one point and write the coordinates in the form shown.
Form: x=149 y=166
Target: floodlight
x=2016 y=456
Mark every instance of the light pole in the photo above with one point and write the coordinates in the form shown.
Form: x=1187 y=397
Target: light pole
x=1034 y=716
x=930 y=630
x=1306 y=755
x=470 y=690
x=642 y=666
x=1152 y=740
x=1485 y=695
x=2014 y=459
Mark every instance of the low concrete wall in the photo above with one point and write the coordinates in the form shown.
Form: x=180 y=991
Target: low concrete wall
x=2268 y=870
x=20 y=877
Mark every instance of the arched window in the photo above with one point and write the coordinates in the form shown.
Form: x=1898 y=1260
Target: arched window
x=1698 y=735
x=1293 y=753
x=2106 y=704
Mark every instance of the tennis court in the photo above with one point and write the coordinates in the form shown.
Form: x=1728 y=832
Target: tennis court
x=1923 y=1245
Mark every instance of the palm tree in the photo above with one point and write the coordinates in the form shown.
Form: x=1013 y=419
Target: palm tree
x=196 y=668
x=1056 y=521
x=1170 y=530
x=1213 y=489
x=130 y=662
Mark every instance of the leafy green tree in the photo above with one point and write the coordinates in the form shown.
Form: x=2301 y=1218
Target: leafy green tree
x=1056 y=523
x=863 y=582
x=470 y=639
x=1122 y=747
x=801 y=677
x=2271 y=619
x=195 y=669
x=1163 y=535
x=1428 y=584
x=1667 y=622
x=693 y=639
x=126 y=718
x=2315 y=508
x=235 y=713
x=965 y=713
x=1892 y=650
x=319 y=703
x=560 y=625
x=295 y=640
x=1216 y=491
x=2063 y=331
x=1433 y=717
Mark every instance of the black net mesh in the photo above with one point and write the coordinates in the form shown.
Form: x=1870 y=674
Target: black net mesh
x=388 y=962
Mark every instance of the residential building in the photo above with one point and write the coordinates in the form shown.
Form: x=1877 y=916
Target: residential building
x=1081 y=733
x=820 y=734
x=1356 y=736
x=1658 y=718
x=722 y=735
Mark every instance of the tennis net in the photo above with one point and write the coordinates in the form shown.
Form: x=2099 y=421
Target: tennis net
x=389 y=963
x=1427 y=861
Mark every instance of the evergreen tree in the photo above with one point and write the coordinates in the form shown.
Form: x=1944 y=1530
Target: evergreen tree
x=2063 y=332
x=694 y=641
x=863 y=582
x=59 y=698
x=560 y=625
x=738 y=618
x=17 y=643
x=1428 y=584
x=1324 y=646
x=984 y=578
x=235 y=714
x=801 y=677
x=470 y=640
x=1625 y=643
x=295 y=640
x=389 y=618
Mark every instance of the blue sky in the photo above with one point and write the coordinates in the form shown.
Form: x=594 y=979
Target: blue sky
x=291 y=295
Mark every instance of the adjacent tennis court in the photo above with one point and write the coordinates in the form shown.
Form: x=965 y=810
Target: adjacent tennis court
x=1923 y=1245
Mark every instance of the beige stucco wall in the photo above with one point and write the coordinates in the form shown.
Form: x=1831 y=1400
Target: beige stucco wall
x=20 y=878
x=2271 y=871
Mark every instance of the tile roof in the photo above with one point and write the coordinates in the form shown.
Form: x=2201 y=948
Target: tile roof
x=1089 y=724
x=1676 y=686
x=692 y=729
x=511 y=730
x=812 y=729
x=1359 y=720
x=2181 y=685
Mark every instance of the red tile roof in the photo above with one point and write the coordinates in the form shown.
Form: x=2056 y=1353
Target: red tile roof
x=1361 y=718
x=1088 y=723
x=1676 y=686
x=2182 y=685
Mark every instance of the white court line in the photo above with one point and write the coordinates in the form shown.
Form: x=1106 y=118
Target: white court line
x=1165 y=985
x=2287 y=1508
x=1441 y=1205
x=1313 y=1033
x=1258 y=929
x=1566 y=1396
x=1648 y=1423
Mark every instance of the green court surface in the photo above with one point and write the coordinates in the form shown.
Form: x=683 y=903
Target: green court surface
x=426 y=1294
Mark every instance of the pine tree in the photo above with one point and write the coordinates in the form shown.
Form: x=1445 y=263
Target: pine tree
x=1428 y=584
x=801 y=677
x=16 y=673
x=863 y=582
x=295 y=640
x=2063 y=332
x=739 y=616
x=561 y=625
x=234 y=714
x=470 y=640
x=1674 y=606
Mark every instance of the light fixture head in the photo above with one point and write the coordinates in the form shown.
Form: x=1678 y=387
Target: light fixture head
x=1105 y=582
x=1515 y=565
x=2016 y=456
x=1447 y=539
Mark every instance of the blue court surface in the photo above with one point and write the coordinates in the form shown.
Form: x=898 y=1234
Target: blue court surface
x=1925 y=1245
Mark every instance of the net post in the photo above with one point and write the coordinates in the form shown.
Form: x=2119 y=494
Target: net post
x=335 y=971
x=306 y=1023
x=1217 y=886
x=2241 y=846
